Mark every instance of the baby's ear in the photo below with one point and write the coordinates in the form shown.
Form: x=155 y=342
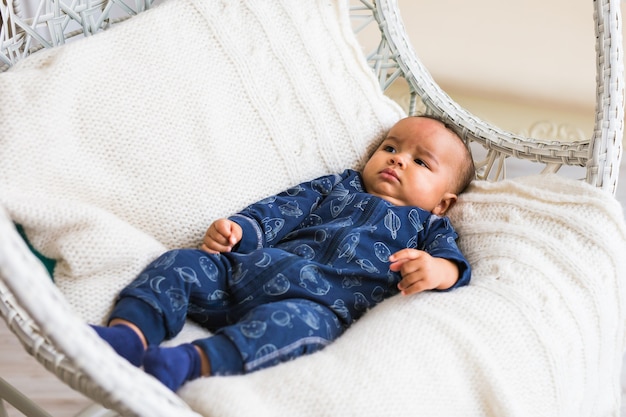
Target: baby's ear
x=446 y=202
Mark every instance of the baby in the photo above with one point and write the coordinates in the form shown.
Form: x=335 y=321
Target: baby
x=287 y=275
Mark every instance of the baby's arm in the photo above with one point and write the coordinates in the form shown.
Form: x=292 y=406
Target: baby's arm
x=221 y=236
x=421 y=271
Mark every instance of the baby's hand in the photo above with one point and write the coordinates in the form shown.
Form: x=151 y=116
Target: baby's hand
x=221 y=236
x=420 y=271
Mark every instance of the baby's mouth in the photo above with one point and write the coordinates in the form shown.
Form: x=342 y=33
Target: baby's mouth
x=388 y=172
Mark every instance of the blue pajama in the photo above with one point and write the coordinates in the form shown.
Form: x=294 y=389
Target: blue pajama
x=311 y=261
x=254 y=325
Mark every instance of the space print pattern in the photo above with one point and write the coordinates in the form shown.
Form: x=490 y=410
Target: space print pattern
x=265 y=329
x=312 y=260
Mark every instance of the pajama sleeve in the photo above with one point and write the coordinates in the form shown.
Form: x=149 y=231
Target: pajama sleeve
x=439 y=240
x=267 y=221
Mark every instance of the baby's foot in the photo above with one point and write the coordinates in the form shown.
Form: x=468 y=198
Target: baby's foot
x=173 y=366
x=124 y=341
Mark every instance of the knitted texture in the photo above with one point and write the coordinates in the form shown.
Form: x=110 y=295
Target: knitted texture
x=116 y=147
x=119 y=146
x=538 y=332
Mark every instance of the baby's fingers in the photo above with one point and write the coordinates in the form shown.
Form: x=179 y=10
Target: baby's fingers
x=404 y=255
x=229 y=231
x=214 y=245
x=218 y=237
x=413 y=286
x=208 y=248
x=220 y=229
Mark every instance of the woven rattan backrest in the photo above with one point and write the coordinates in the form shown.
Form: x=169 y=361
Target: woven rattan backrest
x=54 y=22
x=394 y=58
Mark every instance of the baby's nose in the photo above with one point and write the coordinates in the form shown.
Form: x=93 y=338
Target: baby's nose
x=397 y=159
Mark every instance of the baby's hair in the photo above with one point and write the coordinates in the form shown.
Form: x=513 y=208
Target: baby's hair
x=467 y=170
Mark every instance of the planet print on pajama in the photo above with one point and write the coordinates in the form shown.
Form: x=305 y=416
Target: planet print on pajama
x=321 y=262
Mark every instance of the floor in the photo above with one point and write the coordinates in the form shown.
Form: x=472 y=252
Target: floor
x=22 y=371
x=27 y=375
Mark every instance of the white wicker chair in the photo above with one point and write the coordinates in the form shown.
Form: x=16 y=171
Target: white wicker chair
x=37 y=321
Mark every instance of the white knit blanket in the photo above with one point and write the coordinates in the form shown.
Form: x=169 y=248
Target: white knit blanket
x=538 y=332
x=119 y=146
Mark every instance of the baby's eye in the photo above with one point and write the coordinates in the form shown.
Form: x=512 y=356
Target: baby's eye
x=420 y=162
x=389 y=148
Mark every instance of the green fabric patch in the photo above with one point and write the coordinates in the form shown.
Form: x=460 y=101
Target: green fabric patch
x=47 y=262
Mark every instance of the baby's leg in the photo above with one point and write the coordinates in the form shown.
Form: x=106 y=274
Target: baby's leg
x=174 y=366
x=153 y=307
x=270 y=334
x=125 y=338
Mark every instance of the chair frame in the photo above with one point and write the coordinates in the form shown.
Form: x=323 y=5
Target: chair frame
x=55 y=23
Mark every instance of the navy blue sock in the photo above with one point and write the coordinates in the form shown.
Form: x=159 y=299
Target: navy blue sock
x=173 y=366
x=124 y=341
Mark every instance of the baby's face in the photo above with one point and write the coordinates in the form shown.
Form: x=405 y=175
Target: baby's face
x=416 y=165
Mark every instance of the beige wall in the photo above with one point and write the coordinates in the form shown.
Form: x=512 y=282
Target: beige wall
x=512 y=63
